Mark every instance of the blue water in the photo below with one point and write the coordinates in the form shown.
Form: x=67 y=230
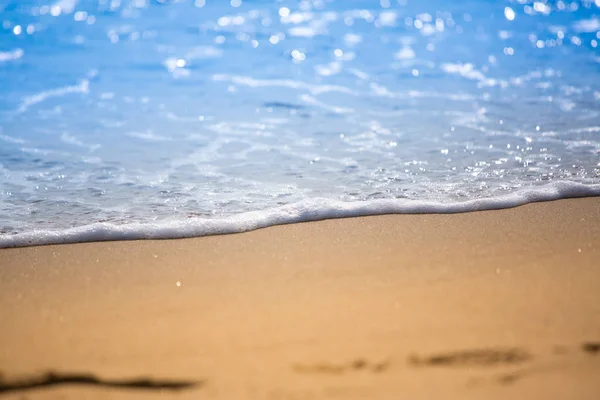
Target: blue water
x=129 y=112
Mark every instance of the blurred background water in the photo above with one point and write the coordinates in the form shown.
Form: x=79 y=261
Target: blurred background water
x=139 y=110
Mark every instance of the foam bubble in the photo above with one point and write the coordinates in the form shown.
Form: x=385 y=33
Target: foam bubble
x=304 y=211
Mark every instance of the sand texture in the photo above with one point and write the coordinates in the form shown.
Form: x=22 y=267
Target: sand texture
x=496 y=305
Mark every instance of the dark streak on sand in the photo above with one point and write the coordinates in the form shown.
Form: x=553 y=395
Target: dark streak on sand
x=58 y=379
x=591 y=347
x=359 y=364
x=481 y=357
x=508 y=379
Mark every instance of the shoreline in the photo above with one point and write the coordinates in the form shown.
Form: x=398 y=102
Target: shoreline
x=309 y=210
x=492 y=304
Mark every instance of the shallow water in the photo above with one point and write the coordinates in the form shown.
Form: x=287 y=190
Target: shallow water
x=139 y=111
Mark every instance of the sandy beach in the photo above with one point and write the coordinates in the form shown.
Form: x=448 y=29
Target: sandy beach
x=498 y=305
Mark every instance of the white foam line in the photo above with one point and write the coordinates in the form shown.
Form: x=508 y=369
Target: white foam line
x=72 y=140
x=312 y=101
x=11 y=55
x=82 y=87
x=288 y=83
x=587 y=25
x=304 y=211
x=10 y=139
x=66 y=6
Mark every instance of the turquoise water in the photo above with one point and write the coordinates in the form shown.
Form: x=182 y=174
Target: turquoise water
x=129 y=112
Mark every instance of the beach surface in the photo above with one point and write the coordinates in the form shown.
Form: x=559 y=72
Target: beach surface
x=494 y=304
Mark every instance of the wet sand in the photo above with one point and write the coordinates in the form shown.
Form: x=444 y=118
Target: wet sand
x=499 y=304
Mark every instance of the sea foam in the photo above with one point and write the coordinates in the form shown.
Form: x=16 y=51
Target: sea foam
x=307 y=210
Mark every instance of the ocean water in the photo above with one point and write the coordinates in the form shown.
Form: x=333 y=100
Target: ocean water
x=124 y=119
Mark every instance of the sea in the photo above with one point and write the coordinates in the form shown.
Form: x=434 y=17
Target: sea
x=133 y=119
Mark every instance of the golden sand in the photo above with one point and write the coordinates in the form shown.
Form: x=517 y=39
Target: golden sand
x=500 y=305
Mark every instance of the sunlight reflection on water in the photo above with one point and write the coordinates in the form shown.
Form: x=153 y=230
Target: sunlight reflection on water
x=140 y=110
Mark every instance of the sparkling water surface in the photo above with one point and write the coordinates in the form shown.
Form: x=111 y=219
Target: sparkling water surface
x=134 y=110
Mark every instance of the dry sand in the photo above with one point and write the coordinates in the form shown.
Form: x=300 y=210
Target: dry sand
x=500 y=304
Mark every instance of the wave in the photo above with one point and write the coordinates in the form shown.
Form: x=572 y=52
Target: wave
x=303 y=211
